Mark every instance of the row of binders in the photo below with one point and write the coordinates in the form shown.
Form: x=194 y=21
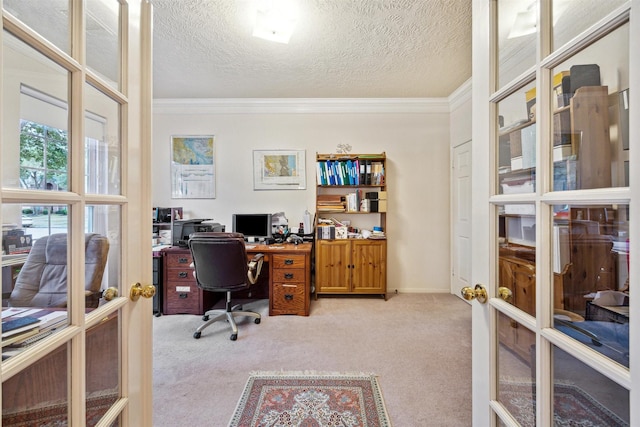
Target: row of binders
x=350 y=172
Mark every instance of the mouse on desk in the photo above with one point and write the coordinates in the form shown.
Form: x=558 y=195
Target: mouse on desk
x=294 y=239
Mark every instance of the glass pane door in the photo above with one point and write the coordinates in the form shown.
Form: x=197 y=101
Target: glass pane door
x=561 y=209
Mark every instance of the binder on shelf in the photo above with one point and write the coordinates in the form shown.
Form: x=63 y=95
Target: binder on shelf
x=325 y=231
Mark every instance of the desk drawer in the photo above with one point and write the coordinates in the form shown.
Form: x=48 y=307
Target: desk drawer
x=288 y=275
x=288 y=261
x=289 y=298
x=180 y=274
x=178 y=260
x=182 y=298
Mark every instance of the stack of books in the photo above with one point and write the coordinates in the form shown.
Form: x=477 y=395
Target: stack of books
x=22 y=327
x=331 y=203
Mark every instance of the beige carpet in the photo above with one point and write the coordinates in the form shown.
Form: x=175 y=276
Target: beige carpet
x=418 y=345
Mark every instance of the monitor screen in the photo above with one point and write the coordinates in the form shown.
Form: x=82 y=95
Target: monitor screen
x=253 y=225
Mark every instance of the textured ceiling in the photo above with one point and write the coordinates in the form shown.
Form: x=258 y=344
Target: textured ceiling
x=340 y=49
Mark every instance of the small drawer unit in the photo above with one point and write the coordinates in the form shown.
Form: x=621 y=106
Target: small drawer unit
x=290 y=290
x=181 y=293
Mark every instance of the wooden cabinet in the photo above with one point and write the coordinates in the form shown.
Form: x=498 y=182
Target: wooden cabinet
x=519 y=276
x=289 y=292
x=351 y=266
x=181 y=293
x=351 y=210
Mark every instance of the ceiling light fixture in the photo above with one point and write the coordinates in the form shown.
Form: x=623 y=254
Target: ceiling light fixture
x=275 y=20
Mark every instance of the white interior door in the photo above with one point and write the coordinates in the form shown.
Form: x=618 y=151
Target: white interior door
x=75 y=168
x=461 y=217
x=553 y=241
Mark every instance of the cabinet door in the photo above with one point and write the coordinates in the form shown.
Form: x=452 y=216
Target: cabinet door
x=333 y=259
x=524 y=279
x=369 y=262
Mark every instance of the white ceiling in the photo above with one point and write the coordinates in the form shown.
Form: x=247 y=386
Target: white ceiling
x=340 y=49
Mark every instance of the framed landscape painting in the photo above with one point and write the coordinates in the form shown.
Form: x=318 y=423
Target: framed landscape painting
x=279 y=170
x=193 y=167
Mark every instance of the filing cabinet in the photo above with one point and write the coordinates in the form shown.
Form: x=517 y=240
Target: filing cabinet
x=290 y=290
x=181 y=293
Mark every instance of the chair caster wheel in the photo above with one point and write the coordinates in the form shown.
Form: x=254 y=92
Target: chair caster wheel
x=256 y=321
x=205 y=318
x=196 y=335
x=233 y=337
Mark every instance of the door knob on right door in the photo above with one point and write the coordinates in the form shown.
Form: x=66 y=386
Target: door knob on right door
x=479 y=293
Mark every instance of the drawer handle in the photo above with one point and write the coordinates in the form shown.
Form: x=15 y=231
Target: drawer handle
x=288 y=297
x=288 y=275
x=288 y=262
x=183 y=260
x=284 y=285
x=183 y=296
x=182 y=274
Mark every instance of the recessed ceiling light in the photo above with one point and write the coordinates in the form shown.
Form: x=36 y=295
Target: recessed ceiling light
x=275 y=20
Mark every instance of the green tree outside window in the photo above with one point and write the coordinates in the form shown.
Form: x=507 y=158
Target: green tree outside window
x=44 y=154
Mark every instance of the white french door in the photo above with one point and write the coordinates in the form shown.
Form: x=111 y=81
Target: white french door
x=554 y=196
x=75 y=165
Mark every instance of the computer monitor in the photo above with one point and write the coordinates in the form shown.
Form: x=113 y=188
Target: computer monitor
x=255 y=227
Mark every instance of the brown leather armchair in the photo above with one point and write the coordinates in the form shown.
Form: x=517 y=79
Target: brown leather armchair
x=42 y=281
x=220 y=262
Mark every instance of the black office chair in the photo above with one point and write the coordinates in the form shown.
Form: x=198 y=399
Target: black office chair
x=220 y=263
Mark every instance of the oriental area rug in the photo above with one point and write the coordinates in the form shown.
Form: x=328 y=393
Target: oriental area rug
x=306 y=400
x=572 y=406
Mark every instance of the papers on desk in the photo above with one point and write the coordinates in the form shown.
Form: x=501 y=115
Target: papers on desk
x=25 y=326
x=605 y=298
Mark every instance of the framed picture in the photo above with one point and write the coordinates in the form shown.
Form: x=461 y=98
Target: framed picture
x=279 y=170
x=193 y=167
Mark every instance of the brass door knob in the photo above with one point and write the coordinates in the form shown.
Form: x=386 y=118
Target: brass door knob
x=138 y=290
x=505 y=293
x=479 y=293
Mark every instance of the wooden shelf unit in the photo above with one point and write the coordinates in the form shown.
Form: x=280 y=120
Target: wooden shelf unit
x=345 y=264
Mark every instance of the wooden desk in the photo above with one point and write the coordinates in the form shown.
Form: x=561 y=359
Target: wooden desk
x=285 y=279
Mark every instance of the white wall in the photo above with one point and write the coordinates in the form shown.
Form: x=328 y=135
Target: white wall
x=413 y=133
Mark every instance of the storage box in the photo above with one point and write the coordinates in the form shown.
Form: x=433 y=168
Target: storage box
x=13 y=244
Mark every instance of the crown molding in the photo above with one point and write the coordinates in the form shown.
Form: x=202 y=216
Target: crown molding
x=460 y=96
x=192 y=106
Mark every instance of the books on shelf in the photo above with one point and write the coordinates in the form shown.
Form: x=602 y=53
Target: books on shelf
x=356 y=201
x=350 y=172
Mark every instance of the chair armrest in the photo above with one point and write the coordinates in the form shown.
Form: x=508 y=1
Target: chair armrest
x=255 y=266
x=92 y=299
